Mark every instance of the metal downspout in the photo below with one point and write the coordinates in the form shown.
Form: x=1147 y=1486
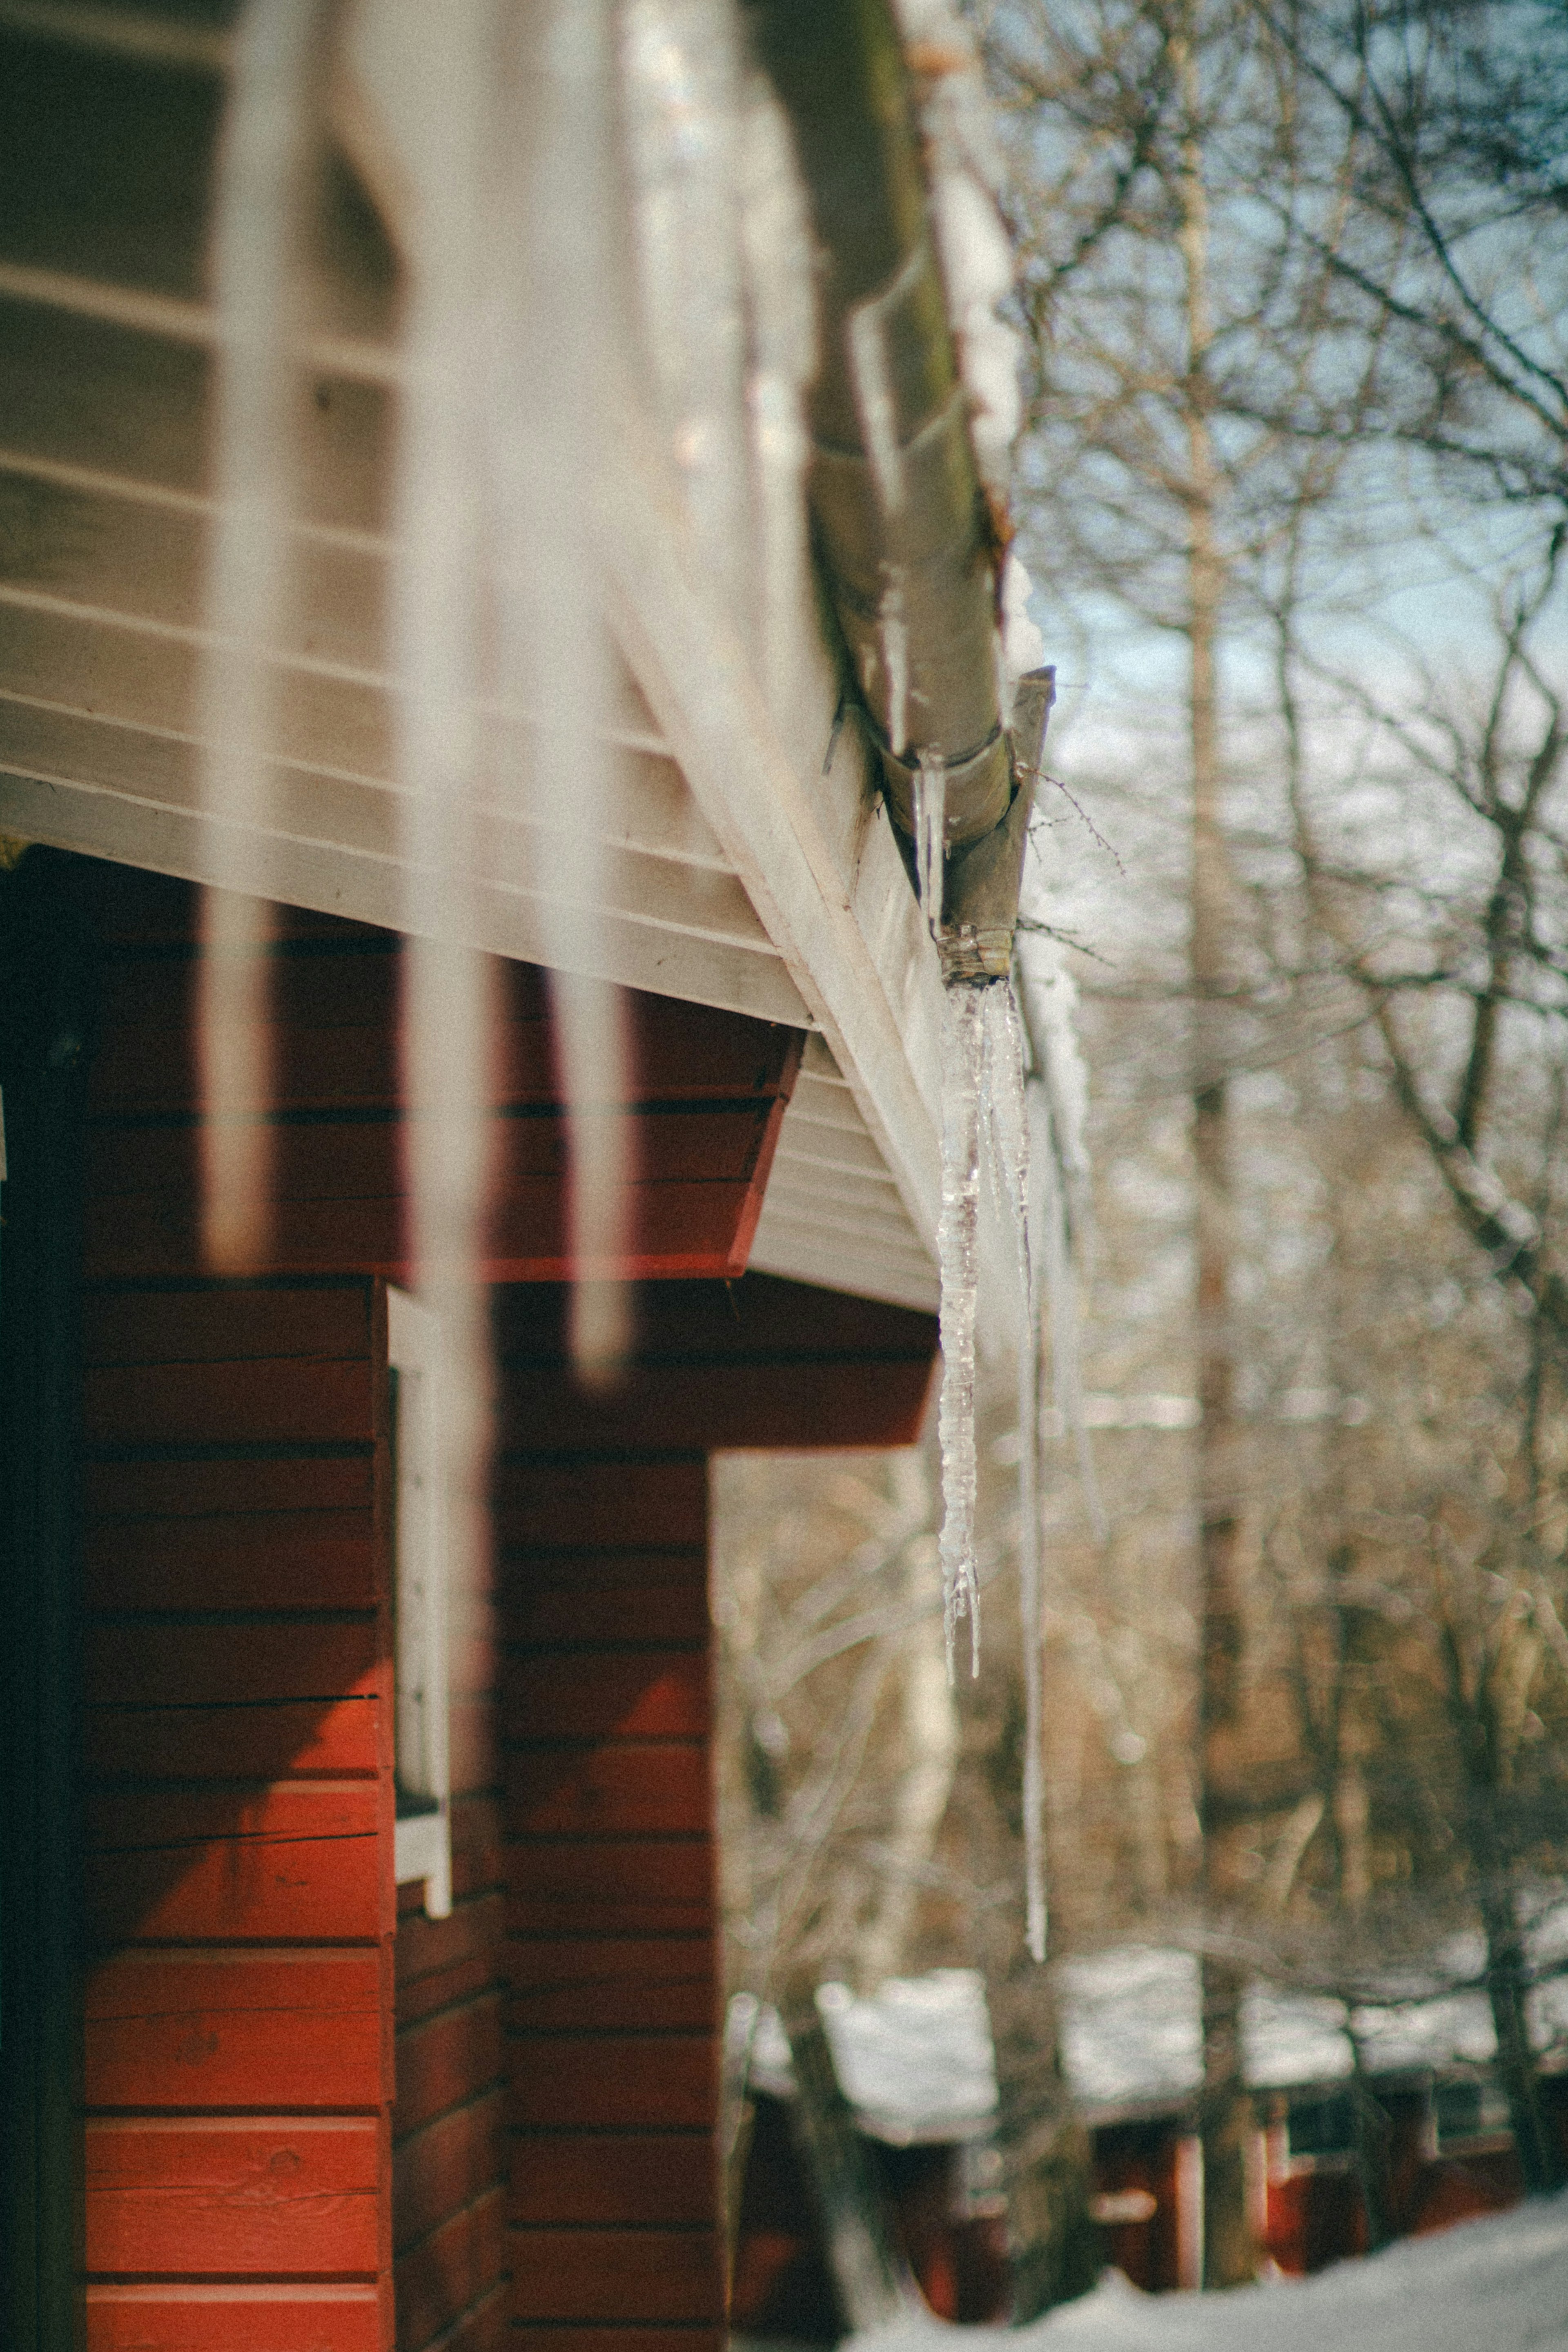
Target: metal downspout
x=903 y=529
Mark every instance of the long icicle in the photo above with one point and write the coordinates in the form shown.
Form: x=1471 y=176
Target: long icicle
x=1009 y=1114
x=262 y=170
x=547 y=427
x=957 y=1251
x=436 y=635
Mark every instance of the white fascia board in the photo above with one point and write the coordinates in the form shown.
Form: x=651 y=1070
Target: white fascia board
x=873 y=989
x=817 y=856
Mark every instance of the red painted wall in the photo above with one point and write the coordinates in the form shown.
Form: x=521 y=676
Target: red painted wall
x=708 y=1095
x=547 y=2113
x=237 y=2050
x=611 y=2049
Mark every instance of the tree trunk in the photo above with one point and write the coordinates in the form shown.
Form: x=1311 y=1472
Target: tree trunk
x=1228 y=2257
x=1047 y=2179
x=1474 y=1713
x=1539 y=2147
x=1053 y=2245
x=870 y=2277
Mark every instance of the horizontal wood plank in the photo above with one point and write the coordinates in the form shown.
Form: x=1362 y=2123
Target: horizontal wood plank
x=627 y=1788
x=615 y=2082
x=679 y=1230
x=227 y=1323
x=573 y=1507
x=603 y=2177
x=449 y=2271
x=654 y=1596
x=443 y=2168
x=232 y=2198
x=607 y=1694
x=604 y=1982
x=280 y=1484
x=268 y=1742
x=447 y=2061
x=363 y=1159
x=616 y=2274
x=294 y=1400
x=447 y=1987
x=301 y=1861
x=178 y=2031
x=236 y=2318
x=865 y=1402
x=293 y=1559
x=432 y=1947
x=641 y=1886
x=240 y=1663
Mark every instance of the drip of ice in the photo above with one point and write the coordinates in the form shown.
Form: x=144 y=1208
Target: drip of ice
x=436 y=619
x=957 y=1251
x=265 y=145
x=986 y=1115
x=930 y=835
x=1058 y=1099
x=547 y=428
x=1009 y=1124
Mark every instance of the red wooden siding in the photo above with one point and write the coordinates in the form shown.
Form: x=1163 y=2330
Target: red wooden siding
x=611 y=2014
x=611 y=2010
x=556 y=2038
x=238 y=2056
x=710 y=1092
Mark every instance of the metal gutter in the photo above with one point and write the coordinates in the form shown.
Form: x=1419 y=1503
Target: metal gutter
x=903 y=530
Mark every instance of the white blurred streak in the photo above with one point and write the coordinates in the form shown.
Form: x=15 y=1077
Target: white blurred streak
x=554 y=313
x=263 y=172
x=593 y=1056
x=776 y=247
x=436 y=623
x=683 y=92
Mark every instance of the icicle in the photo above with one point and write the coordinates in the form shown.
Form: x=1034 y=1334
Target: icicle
x=1058 y=1102
x=1008 y=1125
x=547 y=432
x=930 y=835
x=957 y=1250
x=262 y=168
x=436 y=635
x=593 y=1058
x=892 y=632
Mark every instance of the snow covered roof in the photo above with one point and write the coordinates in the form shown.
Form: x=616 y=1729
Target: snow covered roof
x=915 y=2059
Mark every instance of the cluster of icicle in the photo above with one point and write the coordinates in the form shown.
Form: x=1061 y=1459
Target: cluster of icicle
x=1015 y=1098
x=514 y=124
x=496 y=136
x=986 y=1119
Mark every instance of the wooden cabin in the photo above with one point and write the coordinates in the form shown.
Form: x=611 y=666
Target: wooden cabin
x=313 y=2106
x=358 y=1933
x=916 y=2063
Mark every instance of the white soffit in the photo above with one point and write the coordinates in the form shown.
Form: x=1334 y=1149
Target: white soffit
x=834 y=1214
x=739 y=875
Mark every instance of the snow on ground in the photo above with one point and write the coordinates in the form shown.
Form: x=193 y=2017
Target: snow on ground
x=1497 y=2286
